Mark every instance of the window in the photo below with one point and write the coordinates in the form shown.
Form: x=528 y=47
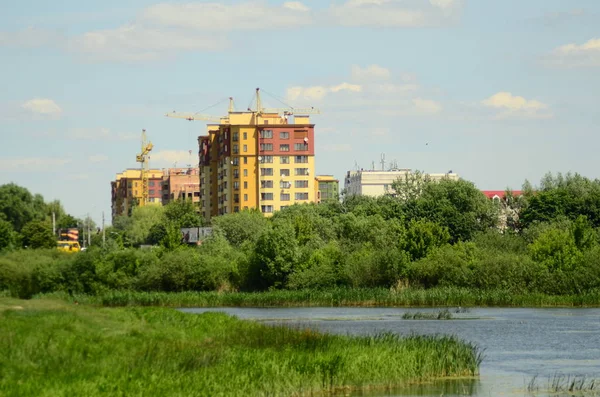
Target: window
x=266 y=146
x=283 y=207
x=236 y=185
x=266 y=184
x=245 y=135
x=236 y=209
x=284 y=135
x=245 y=172
x=284 y=159
x=284 y=147
x=245 y=185
x=236 y=148
x=266 y=196
x=300 y=171
x=266 y=159
x=301 y=196
x=266 y=134
x=300 y=159
x=245 y=197
x=284 y=197
x=266 y=208
x=151 y=183
x=266 y=171
x=151 y=192
x=300 y=184
x=236 y=198
x=245 y=150
x=301 y=146
x=235 y=136
x=285 y=185
x=236 y=161
x=236 y=173
x=285 y=172
x=245 y=158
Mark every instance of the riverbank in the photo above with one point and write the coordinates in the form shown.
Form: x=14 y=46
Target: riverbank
x=52 y=347
x=375 y=297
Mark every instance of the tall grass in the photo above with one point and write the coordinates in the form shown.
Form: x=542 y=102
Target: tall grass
x=56 y=348
x=409 y=297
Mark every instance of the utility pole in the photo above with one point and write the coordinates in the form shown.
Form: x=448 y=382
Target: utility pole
x=89 y=233
x=53 y=223
x=103 y=232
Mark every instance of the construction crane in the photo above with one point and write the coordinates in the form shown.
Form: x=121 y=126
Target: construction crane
x=143 y=158
x=289 y=111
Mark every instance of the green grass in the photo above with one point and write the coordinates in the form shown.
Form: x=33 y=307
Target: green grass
x=409 y=297
x=56 y=348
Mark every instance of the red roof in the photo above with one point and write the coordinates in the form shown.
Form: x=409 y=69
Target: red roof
x=500 y=193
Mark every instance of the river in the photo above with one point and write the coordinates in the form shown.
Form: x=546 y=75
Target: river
x=518 y=344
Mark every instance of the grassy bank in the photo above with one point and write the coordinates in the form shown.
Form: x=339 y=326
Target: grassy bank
x=409 y=297
x=52 y=348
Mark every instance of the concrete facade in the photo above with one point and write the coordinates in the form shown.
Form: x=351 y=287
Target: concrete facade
x=327 y=188
x=378 y=183
x=181 y=184
x=126 y=190
x=256 y=160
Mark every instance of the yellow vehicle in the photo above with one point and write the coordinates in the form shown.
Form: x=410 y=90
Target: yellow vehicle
x=69 y=246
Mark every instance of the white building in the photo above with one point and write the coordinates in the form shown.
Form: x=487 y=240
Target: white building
x=378 y=183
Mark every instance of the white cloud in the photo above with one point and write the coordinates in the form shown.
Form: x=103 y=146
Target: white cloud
x=32 y=164
x=167 y=158
x=576 y=55
x=518 y=106
x=42 y=106
x=296 y=6
x=256 y=15
x=98 y=158
x=371 y=72
x=317 y=93
x=392 y=13
x=138 y=43
x=427 y=106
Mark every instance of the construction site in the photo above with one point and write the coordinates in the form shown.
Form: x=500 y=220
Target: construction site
x=258 y=158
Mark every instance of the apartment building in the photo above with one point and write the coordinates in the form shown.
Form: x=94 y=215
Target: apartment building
x=126 y=190
x=377 y=183
x=256 y=159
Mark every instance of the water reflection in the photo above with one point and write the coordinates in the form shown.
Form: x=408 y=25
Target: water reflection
x=450 y=387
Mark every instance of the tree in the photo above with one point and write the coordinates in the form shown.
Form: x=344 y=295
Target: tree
x=423 y=236
x=38 y=234
x=19 y=206
x=275 y=257
x=183 y=213
x=237 y=228
x=456 y=205
x=142 y=220
x=6 y=235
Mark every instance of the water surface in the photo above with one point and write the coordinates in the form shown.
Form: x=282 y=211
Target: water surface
x=518 y=343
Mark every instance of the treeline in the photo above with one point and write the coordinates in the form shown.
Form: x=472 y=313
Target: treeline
x=427 y=234
x=26 y=219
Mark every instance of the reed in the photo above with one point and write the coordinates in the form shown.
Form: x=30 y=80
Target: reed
x=408 y=297
x=59 y=348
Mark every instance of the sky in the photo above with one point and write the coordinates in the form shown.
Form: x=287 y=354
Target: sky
x=497 y=91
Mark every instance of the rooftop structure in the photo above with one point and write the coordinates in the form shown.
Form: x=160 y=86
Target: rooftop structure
x=377 y=183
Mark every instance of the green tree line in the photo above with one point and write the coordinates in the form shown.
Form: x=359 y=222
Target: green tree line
x=425 y=234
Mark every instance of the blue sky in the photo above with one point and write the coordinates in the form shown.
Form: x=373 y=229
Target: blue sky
x=497 y=91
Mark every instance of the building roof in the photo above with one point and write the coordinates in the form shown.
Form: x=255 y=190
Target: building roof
x=500 y=193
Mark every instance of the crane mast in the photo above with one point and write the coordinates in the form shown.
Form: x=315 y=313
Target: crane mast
x=143 y=159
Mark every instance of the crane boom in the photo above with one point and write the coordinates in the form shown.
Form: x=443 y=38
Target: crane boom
x=291 y=111
x=142 y=158
x=194 y=116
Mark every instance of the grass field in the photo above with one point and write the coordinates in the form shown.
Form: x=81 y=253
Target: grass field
x=57 y=348
x=409 y=297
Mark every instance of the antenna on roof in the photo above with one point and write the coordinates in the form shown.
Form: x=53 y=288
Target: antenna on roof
x=382 y=162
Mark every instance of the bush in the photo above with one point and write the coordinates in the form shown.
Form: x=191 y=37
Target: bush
x=445 y=266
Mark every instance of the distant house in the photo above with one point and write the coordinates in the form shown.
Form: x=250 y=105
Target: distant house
x=500 y=194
